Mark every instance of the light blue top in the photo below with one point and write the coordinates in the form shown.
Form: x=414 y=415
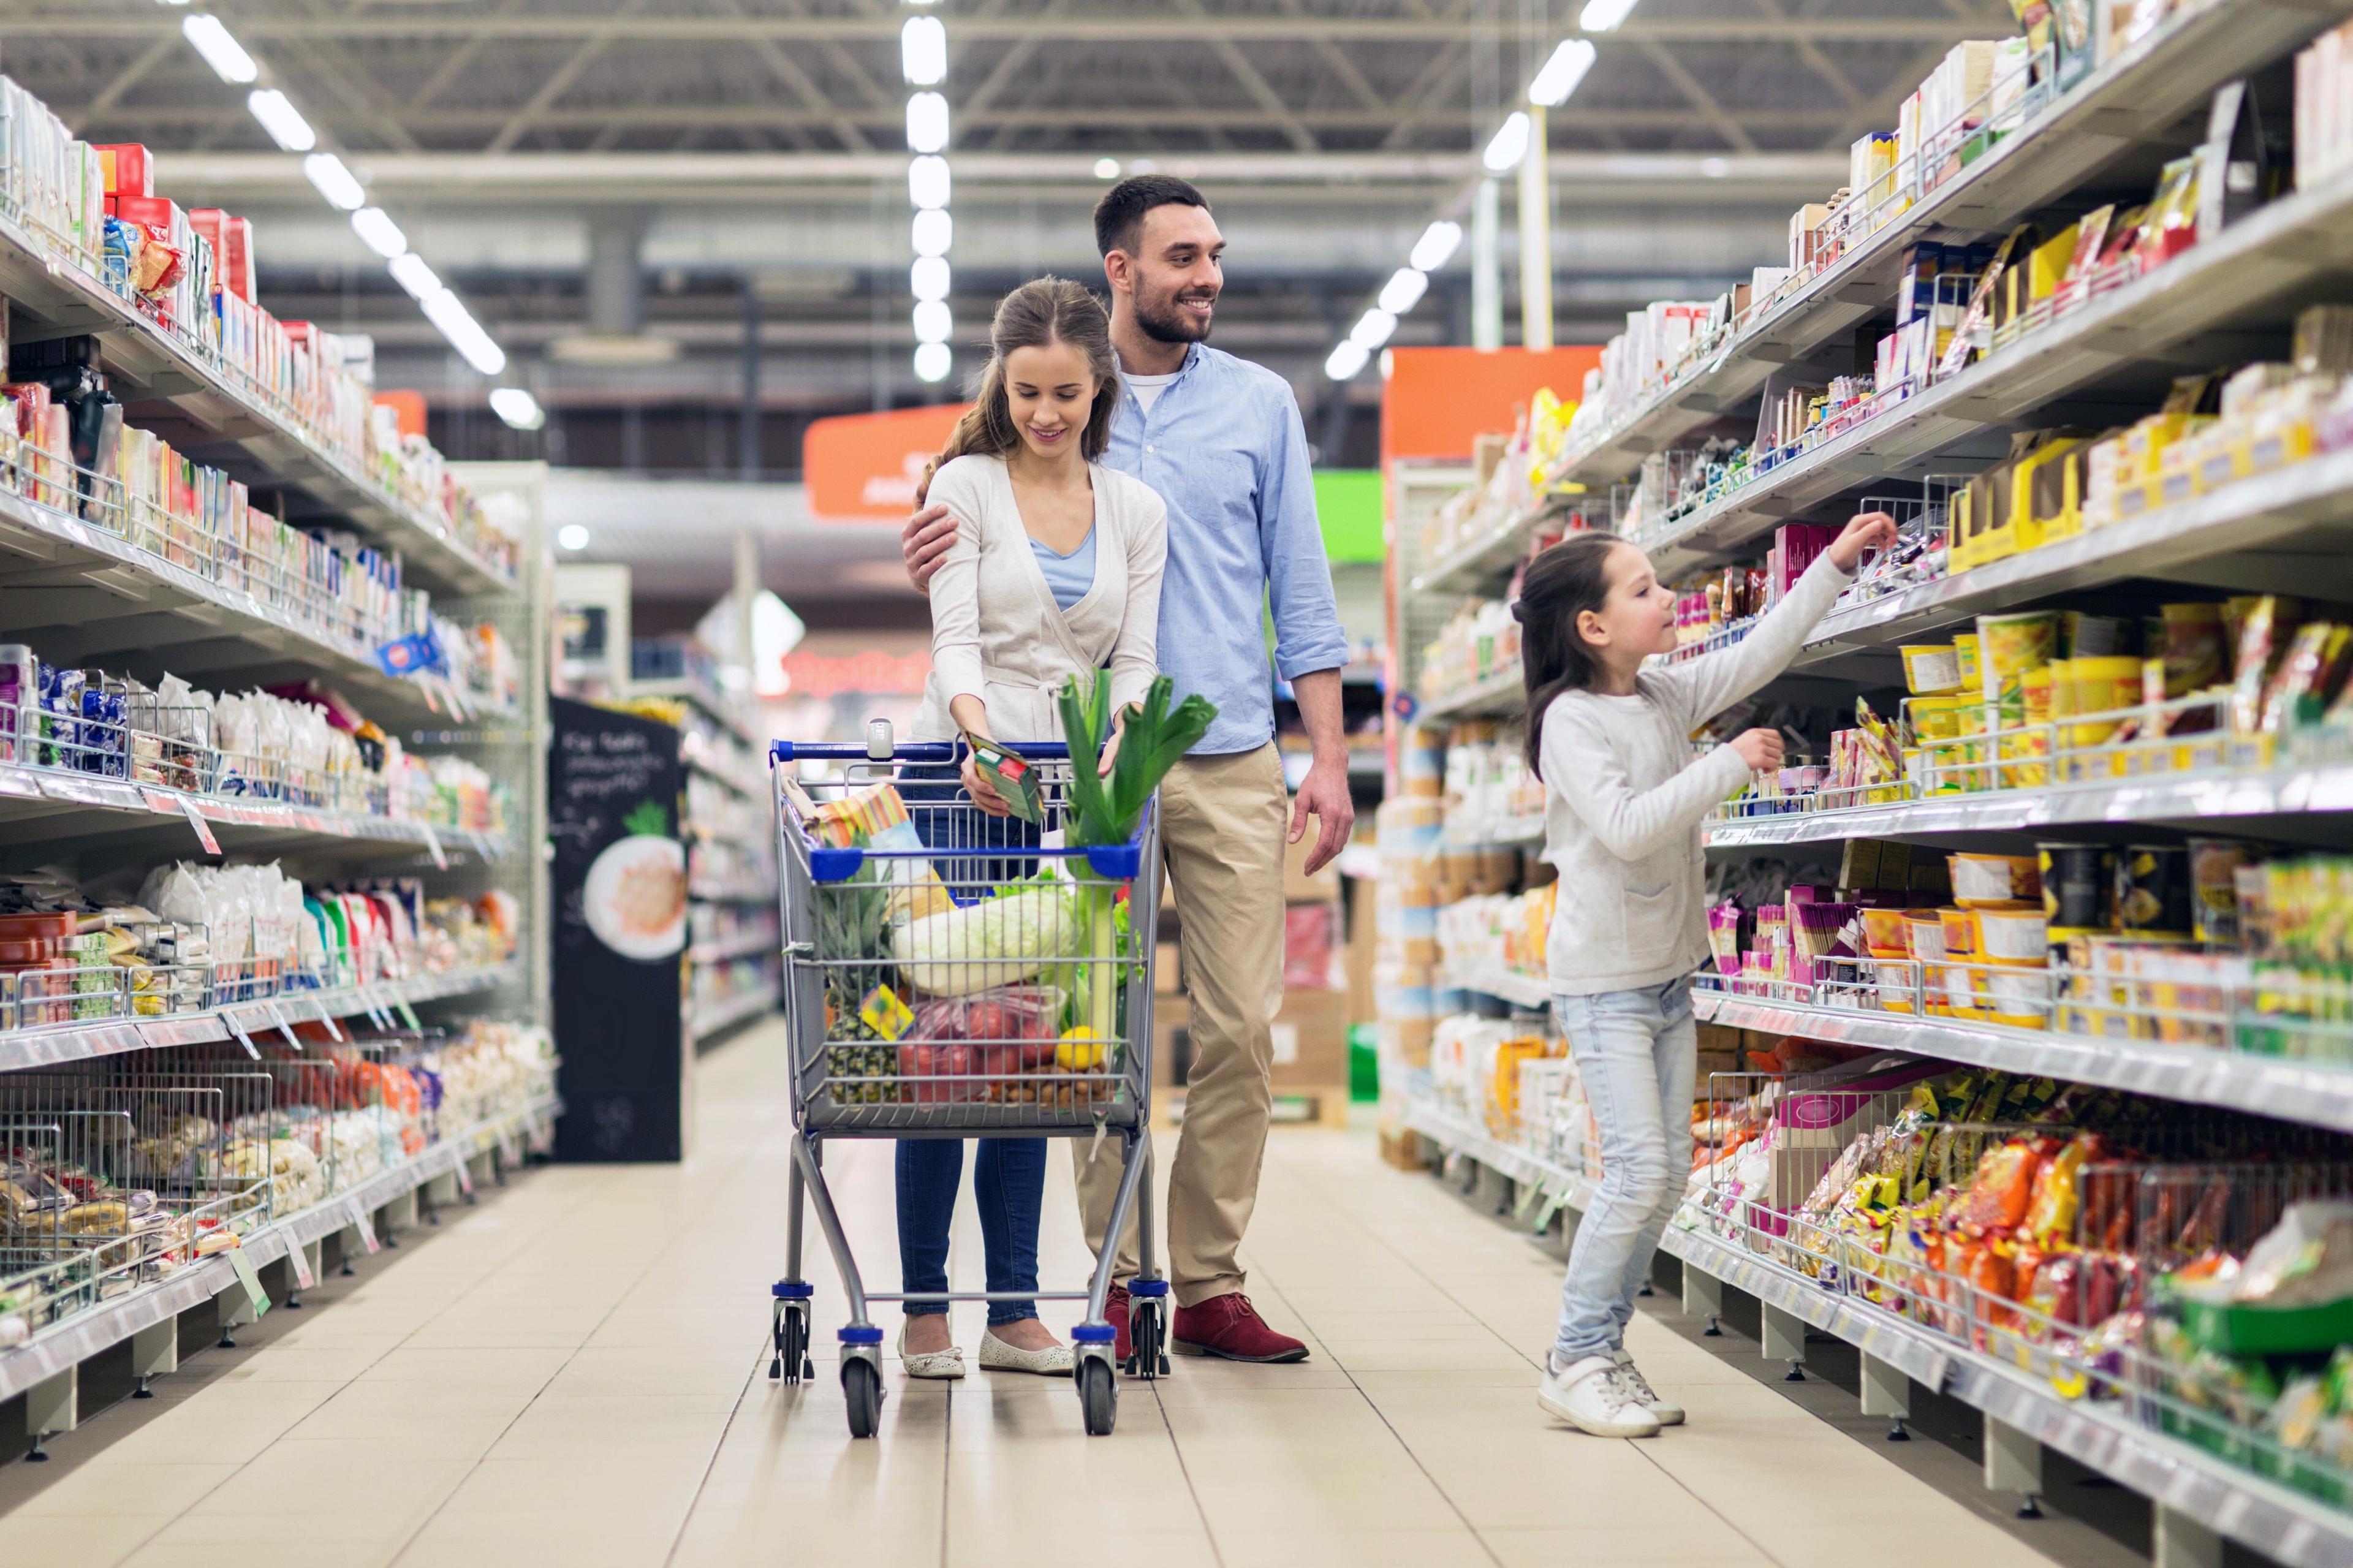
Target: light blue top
x=1224 y=446
x=1070 y=576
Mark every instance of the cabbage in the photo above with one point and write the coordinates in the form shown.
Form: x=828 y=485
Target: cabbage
x=1002 y=940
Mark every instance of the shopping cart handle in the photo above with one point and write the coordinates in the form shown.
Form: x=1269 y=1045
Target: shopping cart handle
x=914 y=752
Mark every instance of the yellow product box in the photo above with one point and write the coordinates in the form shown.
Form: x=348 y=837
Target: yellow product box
x=2220 y=456
x=2279 y=436
x=2039 y=492
x=2147 y=441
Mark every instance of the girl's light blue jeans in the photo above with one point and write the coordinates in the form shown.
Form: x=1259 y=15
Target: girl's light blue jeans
x=1636 y=1053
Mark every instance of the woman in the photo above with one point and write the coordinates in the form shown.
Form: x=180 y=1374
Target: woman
x=1055 y=571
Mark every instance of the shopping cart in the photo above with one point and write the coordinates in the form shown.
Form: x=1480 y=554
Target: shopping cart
x=969 y=992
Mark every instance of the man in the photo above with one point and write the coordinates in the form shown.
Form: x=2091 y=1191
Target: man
x=1221 y=440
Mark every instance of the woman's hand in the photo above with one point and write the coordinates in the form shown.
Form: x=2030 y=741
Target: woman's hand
x=1870 y=530
x=1110 y=755
x=988 y=799
x=1760 y=749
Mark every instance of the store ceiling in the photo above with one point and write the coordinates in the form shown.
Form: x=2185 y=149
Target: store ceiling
x=755 y=148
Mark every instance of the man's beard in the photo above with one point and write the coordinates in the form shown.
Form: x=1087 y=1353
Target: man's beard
x=1171 y=325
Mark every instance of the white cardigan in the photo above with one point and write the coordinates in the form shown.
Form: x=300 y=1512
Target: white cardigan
x=996 y=633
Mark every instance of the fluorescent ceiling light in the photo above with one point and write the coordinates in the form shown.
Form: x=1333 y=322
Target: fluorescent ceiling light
x=571 y=536
x=1346 y=361
x=1436 y=246
x=934 y=232
x=928 y=278
x=521 y=411
x=933 y=363
x=927 y=122
x=411 y=273
x=1403 y=290
x=1106 y=168
x=1562 y=72
x=337 y=184
x=223 y=53
x=924 y=51
x=448 y=313
x=927 y=182
x=933 y=323
x=282 y=120
x=1509 y=146
x=1371 y=329
x=1602 y=16
x=378 y=232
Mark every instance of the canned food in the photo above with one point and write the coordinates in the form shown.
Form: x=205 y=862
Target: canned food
x=2153 y=889
x=2078 y=885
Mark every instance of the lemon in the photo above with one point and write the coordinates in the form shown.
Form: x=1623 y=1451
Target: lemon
x=1079 y=1050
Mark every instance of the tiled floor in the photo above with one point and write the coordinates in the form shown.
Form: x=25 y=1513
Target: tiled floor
x=576 y=1375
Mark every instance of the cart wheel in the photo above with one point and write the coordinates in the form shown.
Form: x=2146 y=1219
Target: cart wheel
x=861 y=1385
x=1143 y=1335
x=791 y=1360
x=1097 y=1396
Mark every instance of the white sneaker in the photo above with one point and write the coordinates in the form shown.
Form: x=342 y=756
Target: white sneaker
x=944 y=1365
x=1588 y=1395
x=997 y=1356
x=1666 y=1412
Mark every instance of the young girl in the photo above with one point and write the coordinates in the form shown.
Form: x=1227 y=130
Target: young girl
x=1623 y=800
x=1055 y=570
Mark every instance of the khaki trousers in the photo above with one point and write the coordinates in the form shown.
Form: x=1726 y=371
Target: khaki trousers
x=1222 y=825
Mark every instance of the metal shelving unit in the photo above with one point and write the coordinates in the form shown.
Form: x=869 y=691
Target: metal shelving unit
x=2183 y=1481
x=2145 y=93
x=206 y=406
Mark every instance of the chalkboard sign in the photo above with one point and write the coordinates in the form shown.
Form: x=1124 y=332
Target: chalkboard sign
x=618 y=877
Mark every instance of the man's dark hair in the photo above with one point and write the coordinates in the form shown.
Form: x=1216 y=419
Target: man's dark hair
x=1119 y=216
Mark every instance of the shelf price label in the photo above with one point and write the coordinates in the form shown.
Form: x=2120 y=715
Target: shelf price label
x=433 y=848
x=364 y=1226
x=297 y=1258
x=204 y=829
x=241 y=1263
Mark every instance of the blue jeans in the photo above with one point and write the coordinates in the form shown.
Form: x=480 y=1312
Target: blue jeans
x=1636 y=1053
x=1008 y=1177
x=1008 y=1183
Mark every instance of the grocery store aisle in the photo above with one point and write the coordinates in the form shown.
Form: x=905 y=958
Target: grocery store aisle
x=576 y=1374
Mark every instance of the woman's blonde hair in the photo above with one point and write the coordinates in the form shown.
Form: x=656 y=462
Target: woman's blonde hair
x=1047 y=311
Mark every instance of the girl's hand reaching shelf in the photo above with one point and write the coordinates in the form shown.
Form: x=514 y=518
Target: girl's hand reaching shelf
x=1760 y=749
x=1869 y=530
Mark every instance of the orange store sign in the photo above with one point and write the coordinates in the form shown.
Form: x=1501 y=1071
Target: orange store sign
x=862 y=467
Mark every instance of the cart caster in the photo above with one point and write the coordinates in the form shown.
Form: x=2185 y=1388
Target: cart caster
x=1148 y=1329
x=1097 y=1396
x=861 y=1388
x=790 y=1360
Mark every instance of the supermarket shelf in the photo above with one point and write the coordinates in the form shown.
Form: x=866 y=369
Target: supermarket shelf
x=737 y=947
x=78 y=594
x=2173 y=313
x=51 y=1045
x=745 y=892
x=2142 y=94
x=67 y=1345
x=733 y=1011
x=1511 y=831
x=686 y=689
x=1520 y=990
x=70 y=806
x=2298 y=1530
x=1479 y=561
x=2281 y=792
x=720 y=775
x=2285 y=528
x=1502 y=692
x=170 y=385
x=2303 y=1092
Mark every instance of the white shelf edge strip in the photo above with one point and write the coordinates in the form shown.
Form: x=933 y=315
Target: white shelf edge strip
x=86 y=1334
x=80 y=1042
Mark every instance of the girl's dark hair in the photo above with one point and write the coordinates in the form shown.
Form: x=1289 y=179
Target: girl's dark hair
x=1047 y=311
x=1571 y=577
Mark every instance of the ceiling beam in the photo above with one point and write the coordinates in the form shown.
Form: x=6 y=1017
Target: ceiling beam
x=464 y=22
x=1721 y=120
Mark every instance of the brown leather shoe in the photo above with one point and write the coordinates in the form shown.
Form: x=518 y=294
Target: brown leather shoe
x=1229 y=1327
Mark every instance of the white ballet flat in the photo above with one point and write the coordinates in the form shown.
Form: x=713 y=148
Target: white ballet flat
x=945 y=1364
x=997 y=1356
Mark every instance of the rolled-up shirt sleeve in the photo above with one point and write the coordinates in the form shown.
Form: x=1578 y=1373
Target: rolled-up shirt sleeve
x=1307 y=634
